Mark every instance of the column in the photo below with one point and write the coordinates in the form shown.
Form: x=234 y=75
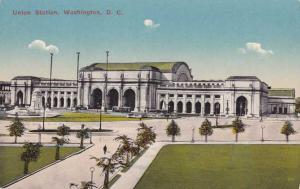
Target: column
x=52 y=98
x=212 y=104
x=65 y=99
x=193 y=104
x=175 y=102
x=46 y=98
x=72 y=96
x=58 y=99
x=167 y=101
x=184 y=104
x=202 y=104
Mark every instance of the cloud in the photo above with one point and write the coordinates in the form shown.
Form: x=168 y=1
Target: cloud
x=254 y=47
x=41 y=45
x=150 y=24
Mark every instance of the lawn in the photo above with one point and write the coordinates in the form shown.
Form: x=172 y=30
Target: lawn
x=80 y=117
x=11 y=167
x=224 y=167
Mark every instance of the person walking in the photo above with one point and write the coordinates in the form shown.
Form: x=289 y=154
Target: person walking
x=104 y=149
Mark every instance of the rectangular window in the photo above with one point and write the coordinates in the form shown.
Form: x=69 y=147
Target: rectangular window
x=217 y=96
x=62 y=92
x=171 y=95
x=207 y=96
x=162 y=95
x=198 y=96
x=189 y=96
x=180 y=95
x=68 y=92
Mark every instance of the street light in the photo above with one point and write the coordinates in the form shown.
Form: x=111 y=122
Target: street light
x=262 y=133
x=40 y=134
x=92 y=169
x=100 y=116
x=44 y=114
x=105 y=90
x=193 y=132
x=91 y=136
x=216 y=119
x=227 y=108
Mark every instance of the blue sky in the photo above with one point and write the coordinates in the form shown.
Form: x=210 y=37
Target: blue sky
x=217 y=38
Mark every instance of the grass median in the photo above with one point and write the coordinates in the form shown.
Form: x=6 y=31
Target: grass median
x=80 y=117
x=224 y=167
x=11 y=166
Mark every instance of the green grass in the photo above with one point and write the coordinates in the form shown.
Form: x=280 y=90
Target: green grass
x=11 y=167
x=80 y=117
x=224 y=167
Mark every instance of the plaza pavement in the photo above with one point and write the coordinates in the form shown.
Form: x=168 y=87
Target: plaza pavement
x=77 y=168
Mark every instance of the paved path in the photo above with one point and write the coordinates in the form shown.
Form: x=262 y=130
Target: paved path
x=77 y=168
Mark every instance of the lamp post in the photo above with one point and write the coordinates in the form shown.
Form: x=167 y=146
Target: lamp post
x=262 y=133
x=217 y=120
x=100 y=116
x=227 y=108
x=44 y=114
x=92 y=169
x=50 y=86
x=105 y=91
x=40 y=134
x=193 y=133
x=91 y=136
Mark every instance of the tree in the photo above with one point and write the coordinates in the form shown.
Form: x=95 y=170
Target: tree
x=173 y=130
x=83 y=134
x=17 y=128
x=206 y=129
x=237 y=127
x=59 y=142
x=63 y=130
x=126 y=147
x=287 y=130
x=108 y=165
x=145 y=137
x=31 y=153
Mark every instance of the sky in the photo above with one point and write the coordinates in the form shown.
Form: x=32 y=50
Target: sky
x=217 y=38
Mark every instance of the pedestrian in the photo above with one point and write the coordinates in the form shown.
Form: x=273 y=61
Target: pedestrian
x=104 y=149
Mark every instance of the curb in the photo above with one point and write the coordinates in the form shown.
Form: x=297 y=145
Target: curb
x=45 y=167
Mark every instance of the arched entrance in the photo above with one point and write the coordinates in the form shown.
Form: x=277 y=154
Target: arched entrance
x=75 y=102
x=129 y=99
x=49 y=102
x=112 y=99
x=43 y=102
x=55 y=102
x=217 y=108
x=96 y=98
x=20 y=101
x=161 y=105
x=2 y=100
x=179 y=107
x=198 y=107
x=68 y=102
x=207 y=108
x=241 y=106
x=62 y=102
x=171 y=107
x=188 y=107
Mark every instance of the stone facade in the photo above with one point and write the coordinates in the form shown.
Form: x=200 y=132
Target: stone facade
x=145 y=86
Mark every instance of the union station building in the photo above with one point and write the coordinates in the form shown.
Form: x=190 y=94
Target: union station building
x=150 y=86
